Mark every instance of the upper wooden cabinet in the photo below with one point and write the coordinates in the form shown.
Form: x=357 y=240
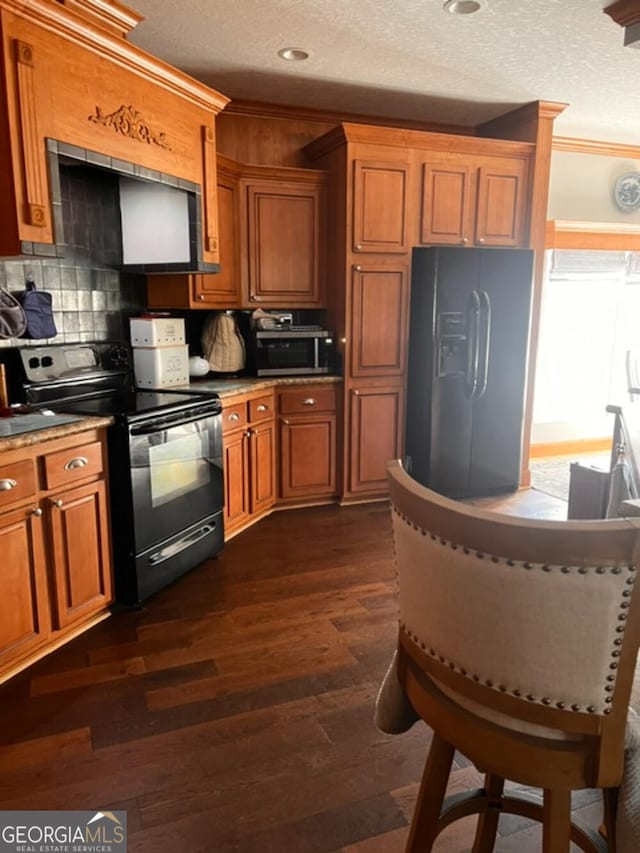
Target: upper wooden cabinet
x=70 y=75
x=473 y=202
x=380 y=206
x=285 y=244
x=272 y=244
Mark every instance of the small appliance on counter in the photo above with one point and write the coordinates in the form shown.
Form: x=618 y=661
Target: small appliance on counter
x=160 y=354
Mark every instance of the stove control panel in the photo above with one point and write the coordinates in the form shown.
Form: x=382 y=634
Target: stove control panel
x=59 y=362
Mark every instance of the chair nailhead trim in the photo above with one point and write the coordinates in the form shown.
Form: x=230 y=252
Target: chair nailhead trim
x=566 y=570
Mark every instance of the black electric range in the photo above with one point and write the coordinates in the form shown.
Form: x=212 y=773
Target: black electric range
x=165 y=457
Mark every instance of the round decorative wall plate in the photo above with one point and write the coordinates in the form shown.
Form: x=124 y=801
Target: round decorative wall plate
x=627 y=191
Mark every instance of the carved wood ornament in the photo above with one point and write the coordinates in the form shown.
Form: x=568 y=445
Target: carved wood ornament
x=129 y=122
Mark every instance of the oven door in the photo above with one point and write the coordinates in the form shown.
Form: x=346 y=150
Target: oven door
x=176 y=474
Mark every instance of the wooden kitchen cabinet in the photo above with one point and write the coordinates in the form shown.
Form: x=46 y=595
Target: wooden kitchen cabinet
x=307 y=443
x=80 y=553
x=71 y=75
x=474 y=202
x=25 y=621
x=379 y=309
x=56 y=578
x=285 y=239
x=376 y=435
x=248 y=431
x=380 y=206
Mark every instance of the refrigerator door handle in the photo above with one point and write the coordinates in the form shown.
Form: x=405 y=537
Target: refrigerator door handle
x=473 y=353
x=487 y=342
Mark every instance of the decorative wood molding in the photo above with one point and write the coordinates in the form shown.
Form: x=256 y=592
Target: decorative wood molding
x=624 y=12
x=109 y=14
x=75 y=27
x=129 y=122
x=607 y=236
x=35 y=180
x=257 y=109
x=594 y=146
x=209 y=181
x=403 y=138
x=521 y=123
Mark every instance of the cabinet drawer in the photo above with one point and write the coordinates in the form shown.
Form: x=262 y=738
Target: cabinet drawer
x=261 y=408
x=234 y=415
x=17 y=482
x=308 y=400
x=74 y=463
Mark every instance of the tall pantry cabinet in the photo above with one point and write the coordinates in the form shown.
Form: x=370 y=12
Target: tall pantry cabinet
x=390 y=190
x=370 y=239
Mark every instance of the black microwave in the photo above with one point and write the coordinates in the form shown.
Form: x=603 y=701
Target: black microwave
x=292 y=351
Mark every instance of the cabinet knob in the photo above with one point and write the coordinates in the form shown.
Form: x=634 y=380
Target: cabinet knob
x=480 y=239
x=57 y=503
x=37 y=512
x=358 y=268
x=7 y=484
x=285 y=421
x=76 y=462
x=263 y=408
x=465 y=239
x=201 y=296
x=234 y=416
x=358 y=247
x=356 y=393
x=254 y=298
x=310 y=401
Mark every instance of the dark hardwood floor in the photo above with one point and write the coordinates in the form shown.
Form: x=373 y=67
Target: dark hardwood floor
x=234 y=712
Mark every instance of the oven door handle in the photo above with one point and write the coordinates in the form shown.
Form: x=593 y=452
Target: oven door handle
x=181 y=544
x=162 y=424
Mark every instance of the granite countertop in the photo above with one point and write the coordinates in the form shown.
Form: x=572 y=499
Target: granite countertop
x=15 y=433
x=244 y=384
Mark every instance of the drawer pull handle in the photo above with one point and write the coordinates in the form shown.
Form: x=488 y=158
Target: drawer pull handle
x=57 y=503
x=7 y=484
x=76 y=462
x=234 y=416
x=285 y=421
x=37 y=512
x=310 y=401
x=263 y=408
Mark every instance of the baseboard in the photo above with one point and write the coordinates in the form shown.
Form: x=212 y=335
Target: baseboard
x=574 y=446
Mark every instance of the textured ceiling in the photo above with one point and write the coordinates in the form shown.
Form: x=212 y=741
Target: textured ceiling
x=409 y=58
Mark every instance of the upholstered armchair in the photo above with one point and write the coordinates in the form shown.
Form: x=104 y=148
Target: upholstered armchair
x=517 y=646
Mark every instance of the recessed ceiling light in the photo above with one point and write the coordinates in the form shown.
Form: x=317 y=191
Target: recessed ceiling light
x=293 y=54
x=463 y=7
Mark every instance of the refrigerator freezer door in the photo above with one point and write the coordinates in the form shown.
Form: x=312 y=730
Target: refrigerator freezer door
x=505 y=289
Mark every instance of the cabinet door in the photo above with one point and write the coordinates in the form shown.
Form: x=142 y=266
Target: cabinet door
x=308 y=456
x=501 y=203
x=380 y=201
x=379 y=312
x=377 y=416
x=284 y=245
x=222 y=289
x=24 y=606
x=81 y=552
x=447 y=209
x=236 y=480
x=262 y=466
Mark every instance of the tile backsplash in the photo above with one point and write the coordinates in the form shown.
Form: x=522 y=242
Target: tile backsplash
x=92 y=299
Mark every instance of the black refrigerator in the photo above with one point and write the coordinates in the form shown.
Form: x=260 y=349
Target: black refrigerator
x=468 y=343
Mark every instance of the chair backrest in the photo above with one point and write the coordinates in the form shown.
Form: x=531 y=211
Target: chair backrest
x=532 y=624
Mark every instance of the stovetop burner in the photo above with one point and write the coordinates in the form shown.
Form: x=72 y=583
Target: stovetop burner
x=129 y=403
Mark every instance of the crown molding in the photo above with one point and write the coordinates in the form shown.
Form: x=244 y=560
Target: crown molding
x=594 y=146
x=624 y=12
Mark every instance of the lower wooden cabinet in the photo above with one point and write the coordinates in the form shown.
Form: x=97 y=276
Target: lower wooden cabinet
x=249 y=454
x=307 y=443
x=25 y=621
x=375 y=436
x=56 y=576
x=80 y=551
